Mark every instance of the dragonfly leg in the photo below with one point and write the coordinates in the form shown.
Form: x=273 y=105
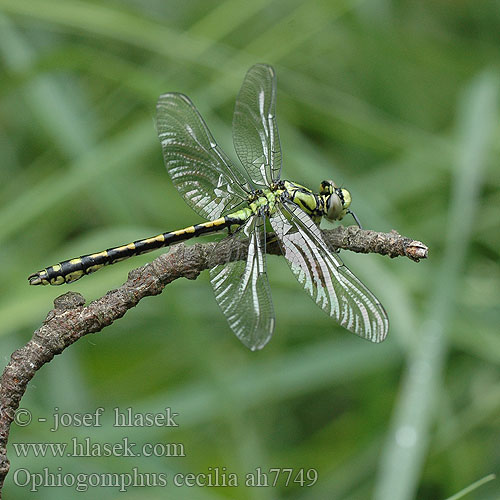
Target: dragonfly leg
x=355 y=218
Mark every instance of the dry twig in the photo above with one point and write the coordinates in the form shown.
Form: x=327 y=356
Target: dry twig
x=71 y=319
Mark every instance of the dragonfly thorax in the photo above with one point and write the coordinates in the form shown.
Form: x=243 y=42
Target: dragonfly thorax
x=331 y=202
x=264 y=200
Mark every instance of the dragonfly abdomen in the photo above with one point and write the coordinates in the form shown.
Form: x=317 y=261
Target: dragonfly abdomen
x=73 y=269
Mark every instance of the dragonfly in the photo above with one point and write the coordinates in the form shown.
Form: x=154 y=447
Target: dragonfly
x=247 y=201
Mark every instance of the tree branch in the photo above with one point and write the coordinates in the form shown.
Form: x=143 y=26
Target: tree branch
x=71 y=319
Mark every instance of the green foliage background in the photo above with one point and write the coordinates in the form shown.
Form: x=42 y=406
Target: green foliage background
x=398 y=101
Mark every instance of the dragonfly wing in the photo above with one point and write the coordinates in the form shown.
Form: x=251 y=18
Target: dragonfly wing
x=241 y=286
x=255 y=132
x=199 y=169
x=325 y=277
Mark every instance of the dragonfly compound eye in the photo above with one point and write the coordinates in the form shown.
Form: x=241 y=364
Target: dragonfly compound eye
x=345 y=196
x=334 y=207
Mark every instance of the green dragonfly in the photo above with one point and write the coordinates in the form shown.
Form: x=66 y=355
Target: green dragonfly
x=244 y=201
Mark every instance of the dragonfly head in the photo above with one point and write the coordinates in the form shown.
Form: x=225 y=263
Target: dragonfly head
x=337 y=200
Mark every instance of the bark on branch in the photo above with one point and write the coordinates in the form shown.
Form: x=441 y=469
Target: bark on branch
x=71 y=319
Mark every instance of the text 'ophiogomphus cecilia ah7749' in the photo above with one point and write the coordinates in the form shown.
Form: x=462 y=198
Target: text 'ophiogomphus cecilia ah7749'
x=243 y=201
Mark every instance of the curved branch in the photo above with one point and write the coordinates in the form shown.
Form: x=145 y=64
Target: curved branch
x=71 y=319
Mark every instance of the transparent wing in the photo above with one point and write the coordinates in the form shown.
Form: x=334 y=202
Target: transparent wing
x=255 y=132
x=242 y=289
x=199 y=169
x=325 y=277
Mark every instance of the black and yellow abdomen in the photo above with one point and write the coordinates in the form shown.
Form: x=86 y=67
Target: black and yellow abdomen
x=73 y=269
x=263 y=200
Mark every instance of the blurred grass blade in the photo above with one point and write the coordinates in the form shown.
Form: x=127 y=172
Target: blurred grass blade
x=472 y=487
x=119 y=153
x=407 y=443
x=119 y=24
x=56 y=106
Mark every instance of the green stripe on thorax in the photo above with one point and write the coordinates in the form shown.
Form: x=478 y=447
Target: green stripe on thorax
x=311 y=203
